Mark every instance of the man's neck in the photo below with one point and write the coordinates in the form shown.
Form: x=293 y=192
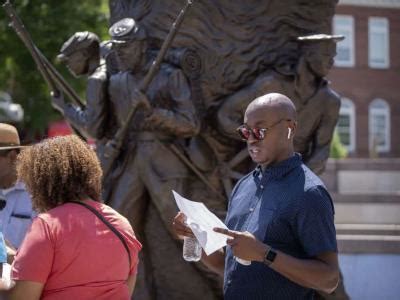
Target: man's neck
x=306 y=82
x=275 y=162
x=93 y=65
x=8 y=182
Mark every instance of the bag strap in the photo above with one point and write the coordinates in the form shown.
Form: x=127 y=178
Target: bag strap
x=108 y=224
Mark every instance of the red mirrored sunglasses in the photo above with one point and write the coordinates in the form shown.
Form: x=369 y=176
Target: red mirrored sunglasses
x=258 y=133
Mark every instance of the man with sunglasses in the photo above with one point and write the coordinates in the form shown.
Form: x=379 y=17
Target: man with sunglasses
x=16 y=211
x=282 y=240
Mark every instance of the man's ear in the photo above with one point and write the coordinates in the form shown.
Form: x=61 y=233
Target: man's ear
x=289 y=133
x=292 y=129
x=12 y=154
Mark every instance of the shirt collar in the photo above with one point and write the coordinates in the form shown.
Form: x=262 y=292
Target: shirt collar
x=280 y=169
x=19 y=185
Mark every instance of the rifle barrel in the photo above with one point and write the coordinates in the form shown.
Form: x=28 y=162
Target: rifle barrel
x=24 y=35
x=165 y=46
x=63 y=85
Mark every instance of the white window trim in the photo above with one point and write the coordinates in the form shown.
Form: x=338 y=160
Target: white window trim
x=352 y=113
x=386 y=112
x=372 y=3
x=351 y=62
x=386 y=31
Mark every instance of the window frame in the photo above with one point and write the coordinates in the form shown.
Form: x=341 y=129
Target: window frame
x=372 y=111
x=351 y=36
x=386 y=31
x=351 y=112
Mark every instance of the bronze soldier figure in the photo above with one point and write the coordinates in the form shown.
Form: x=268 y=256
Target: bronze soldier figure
x=148 y=163
x=81 y=54
x=147 y=170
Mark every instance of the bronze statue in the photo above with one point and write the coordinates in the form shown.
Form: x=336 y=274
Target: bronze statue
x=147 y=169
x=223 y=48
x=182 y=135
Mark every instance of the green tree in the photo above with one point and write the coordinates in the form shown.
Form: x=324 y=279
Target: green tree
x=50 y=23
x=337 y=148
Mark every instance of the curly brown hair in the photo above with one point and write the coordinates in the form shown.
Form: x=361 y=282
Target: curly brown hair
x=59 y=170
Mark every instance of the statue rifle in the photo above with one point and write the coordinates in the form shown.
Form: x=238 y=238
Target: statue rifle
x=113 y=147
x=19 y=28
x=62 y=83
x=53 y=79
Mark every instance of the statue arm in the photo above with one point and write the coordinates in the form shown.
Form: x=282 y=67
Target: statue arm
x=324 y=134
x=91 y=119
x=230 y=115
x=181 y=120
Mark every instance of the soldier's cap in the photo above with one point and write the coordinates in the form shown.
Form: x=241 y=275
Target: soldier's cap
x=78 y=41
x=126 y=30
x=320 y=38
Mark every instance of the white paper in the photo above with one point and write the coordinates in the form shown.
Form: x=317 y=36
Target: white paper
x=202 y=221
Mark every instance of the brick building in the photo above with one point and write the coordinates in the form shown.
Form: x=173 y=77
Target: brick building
x=367 y=76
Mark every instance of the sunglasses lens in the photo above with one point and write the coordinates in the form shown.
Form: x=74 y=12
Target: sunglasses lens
x=244 y=133
x=258 y=133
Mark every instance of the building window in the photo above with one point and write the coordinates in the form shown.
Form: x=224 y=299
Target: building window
x=379 y=126
x=344 y=25
x=346 y=124
x=378 y=43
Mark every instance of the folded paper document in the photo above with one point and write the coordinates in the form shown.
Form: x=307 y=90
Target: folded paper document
x=202 y=221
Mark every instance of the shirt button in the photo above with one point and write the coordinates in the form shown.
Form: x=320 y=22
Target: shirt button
x=229 y=281
x=261 y=186
x=251 y=209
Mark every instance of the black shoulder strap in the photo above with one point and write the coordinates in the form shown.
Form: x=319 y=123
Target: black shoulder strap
x=108 y=224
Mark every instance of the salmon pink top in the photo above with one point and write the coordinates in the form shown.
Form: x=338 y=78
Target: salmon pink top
x=76 y=256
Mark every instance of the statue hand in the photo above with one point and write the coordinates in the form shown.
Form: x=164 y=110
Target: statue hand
x=58 y=102
x=140 y=99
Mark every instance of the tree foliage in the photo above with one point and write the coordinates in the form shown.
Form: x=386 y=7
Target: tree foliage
x=50 y=23
x=337 y=148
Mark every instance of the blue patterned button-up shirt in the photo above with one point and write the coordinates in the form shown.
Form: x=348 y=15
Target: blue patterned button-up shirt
x=288 y=208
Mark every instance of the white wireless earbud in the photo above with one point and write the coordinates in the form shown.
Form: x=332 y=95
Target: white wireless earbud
x=289 y=132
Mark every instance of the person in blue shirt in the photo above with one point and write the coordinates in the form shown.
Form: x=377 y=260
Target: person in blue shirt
x=3 y=251
x=5 y=282
x=16 y=212
x=280 y=216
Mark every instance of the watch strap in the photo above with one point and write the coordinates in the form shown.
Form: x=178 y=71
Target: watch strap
x=269 y=256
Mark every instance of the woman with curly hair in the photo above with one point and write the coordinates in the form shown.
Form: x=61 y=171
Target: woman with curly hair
x=77 y=247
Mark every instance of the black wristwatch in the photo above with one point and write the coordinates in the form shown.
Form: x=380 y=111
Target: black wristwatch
x=269 y=256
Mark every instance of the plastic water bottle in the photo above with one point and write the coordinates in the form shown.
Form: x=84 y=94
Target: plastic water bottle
x=191 y=249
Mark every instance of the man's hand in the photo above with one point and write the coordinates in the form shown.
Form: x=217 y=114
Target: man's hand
x=11 y=252
x=244 y=245
x=58 y=102
x=180 y=227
